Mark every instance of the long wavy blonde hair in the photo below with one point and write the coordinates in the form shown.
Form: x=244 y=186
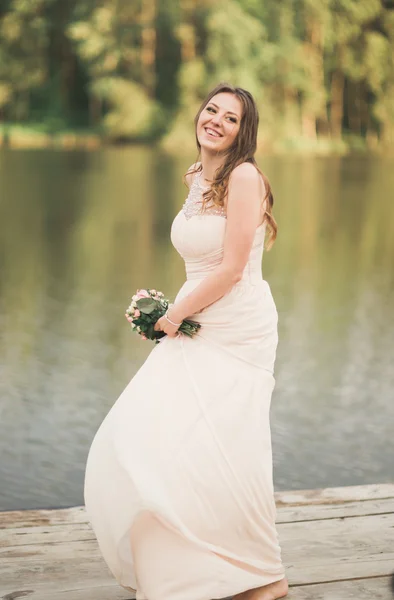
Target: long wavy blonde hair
x=242 y=150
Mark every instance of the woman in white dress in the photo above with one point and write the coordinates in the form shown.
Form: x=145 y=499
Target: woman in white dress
x=178 y=485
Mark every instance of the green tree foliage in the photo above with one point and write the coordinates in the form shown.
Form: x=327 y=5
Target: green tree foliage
x=322 y=72
x=23 y=64
x=116 y=43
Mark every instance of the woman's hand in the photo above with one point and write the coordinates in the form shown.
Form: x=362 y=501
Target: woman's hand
x=164 y=325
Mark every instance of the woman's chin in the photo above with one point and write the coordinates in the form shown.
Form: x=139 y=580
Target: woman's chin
x=211 y=145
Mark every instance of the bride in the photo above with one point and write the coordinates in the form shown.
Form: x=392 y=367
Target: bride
x=178 y=484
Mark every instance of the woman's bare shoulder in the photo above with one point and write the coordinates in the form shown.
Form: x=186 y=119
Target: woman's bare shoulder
x=247 y=176
x=245 y=172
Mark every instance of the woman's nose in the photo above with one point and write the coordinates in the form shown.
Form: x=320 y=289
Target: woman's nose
x=216 y=119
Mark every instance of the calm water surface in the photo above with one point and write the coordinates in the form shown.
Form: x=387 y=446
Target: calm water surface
x=80 y=231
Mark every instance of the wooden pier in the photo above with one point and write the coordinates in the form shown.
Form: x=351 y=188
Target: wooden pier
x=337 y=544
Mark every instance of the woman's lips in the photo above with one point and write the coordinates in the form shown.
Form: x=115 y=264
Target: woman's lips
x=214 y=134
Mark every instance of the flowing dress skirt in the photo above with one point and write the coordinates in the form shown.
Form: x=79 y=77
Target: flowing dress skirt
x=179 y=487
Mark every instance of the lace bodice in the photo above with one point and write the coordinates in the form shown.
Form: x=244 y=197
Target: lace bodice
x=193 y=203
x=199 y=236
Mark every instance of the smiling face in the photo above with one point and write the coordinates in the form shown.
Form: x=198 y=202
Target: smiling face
x=219 y=122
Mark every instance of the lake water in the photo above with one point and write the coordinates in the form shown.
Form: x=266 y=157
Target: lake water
x=81 y=231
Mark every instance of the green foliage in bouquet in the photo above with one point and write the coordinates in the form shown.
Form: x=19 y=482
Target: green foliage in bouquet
x=146 y=308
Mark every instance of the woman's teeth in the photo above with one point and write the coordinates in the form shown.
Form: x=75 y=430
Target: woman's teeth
x=211 y=132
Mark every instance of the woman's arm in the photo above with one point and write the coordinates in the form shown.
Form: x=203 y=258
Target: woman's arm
x=245 y=194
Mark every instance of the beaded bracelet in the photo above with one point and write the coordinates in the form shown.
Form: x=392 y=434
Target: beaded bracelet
x=172 y=322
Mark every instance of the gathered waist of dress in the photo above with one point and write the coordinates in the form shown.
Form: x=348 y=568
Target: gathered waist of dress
x=252 y=273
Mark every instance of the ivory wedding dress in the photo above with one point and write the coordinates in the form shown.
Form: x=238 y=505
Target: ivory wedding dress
x=178 y=485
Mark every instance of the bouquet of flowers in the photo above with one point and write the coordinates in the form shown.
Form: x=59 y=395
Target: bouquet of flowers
x=146 y=308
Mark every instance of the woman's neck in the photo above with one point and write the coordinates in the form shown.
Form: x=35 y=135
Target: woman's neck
x=210 y=164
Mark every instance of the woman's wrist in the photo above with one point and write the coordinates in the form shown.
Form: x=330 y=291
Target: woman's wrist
x=172 y=322
x=174 y=314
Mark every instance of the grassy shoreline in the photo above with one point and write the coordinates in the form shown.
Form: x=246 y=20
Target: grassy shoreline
x=20 y=136
x=16 y=136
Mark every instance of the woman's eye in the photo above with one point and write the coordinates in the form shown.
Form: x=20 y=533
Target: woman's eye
x=211 y=109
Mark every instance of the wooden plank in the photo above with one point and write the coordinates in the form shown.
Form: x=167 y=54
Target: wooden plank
x=61 y=534
x=337 y=548
x=12 y=519
x=361 y=589
x=355 y=493
x=63 y=529
x=312 y=553
x=107 y=592
x=75 y=531
x=53 y=568
x=336 y=544
x=305 y=573
x=315 y=512
x=77 y=514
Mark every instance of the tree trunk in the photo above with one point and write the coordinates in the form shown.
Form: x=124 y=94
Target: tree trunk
x=336 y=113
x=186 y=32
x=354 y=106
x=148 y=44
x=308 y=125
x=315 y=107
x=95 y=110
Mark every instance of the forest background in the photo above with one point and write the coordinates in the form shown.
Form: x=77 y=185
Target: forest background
x=133 y=71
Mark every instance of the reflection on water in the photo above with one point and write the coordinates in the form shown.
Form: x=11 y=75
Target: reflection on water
x=79 y=232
